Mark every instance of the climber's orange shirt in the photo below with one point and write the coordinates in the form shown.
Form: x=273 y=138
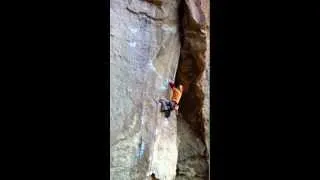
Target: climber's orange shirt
x=176 y=94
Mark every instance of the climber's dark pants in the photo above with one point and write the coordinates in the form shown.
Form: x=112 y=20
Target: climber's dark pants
x=166 y=107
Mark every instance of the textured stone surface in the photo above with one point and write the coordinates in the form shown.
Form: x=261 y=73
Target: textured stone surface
x=192 y=159
x=144 y=54
x=193 y=72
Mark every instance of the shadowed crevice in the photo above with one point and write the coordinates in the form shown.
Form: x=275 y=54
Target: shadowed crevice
x=192 y=64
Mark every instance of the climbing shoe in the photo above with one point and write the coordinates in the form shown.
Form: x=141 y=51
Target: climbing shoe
x=167 y=113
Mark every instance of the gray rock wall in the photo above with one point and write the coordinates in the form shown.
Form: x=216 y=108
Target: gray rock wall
x=144 y=54
x=145 y=48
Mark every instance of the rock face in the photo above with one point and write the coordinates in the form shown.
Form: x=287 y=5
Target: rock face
x=146 y=50
x=193 y=72
x=144 y=55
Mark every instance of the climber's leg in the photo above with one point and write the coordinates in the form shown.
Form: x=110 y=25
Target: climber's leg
x=164 y=106
x=172 y=105
x=168 y=103
x=167 y=113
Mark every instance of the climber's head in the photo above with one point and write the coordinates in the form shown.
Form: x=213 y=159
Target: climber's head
x=171 y=83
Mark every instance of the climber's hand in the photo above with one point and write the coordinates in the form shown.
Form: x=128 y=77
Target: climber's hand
x=176 y=107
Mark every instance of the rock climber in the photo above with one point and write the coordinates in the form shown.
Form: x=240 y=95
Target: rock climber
x=176 y=95
x=166 y=105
